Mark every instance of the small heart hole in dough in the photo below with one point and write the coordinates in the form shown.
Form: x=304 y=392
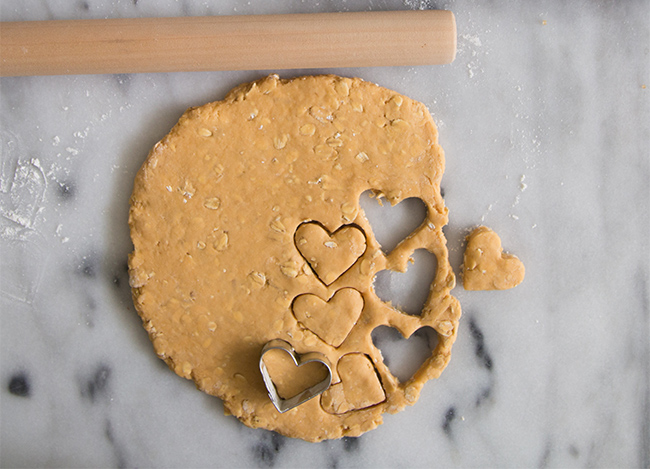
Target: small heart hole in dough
x=408 y=291
x=290 y=379
x=404 y=357
x=391 y=224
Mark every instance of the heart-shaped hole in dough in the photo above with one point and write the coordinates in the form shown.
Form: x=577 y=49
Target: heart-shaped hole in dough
x=330 y=255
x=391 y=224
x=404 y=357
x=331 y=320
x=408 y=291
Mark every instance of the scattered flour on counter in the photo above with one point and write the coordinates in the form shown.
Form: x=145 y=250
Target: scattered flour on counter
x=22 y=192
x=474 y=40
x=59 y=230
x=22 y=258
x=469 y=49
x=23 y=189
x=81 y=133
x=522 y=185
x=22 y=197
x=419 y=4
x=522 y=188
x=484 y=216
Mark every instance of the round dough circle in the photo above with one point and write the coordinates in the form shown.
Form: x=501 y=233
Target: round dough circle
x=218 y=264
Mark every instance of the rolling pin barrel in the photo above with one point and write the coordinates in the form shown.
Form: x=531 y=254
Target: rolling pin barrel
x=254 y=42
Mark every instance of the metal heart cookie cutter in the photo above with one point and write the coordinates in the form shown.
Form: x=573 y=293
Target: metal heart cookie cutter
x=283 y=405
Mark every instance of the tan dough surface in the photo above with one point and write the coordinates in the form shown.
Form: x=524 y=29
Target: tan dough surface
x=486 y=266
x=217 y=220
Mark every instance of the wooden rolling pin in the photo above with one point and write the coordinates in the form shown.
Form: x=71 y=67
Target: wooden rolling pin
x=254 y=42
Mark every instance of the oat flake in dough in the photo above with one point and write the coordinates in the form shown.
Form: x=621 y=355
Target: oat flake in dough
x=216 y=266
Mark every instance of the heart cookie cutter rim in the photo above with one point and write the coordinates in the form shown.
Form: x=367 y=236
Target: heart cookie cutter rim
x=283 y=405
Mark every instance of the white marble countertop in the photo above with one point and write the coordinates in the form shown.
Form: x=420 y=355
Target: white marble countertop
x=544 y=120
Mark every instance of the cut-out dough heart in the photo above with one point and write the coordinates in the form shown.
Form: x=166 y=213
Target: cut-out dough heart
x=359 y=386
x=486 y=266
x=282 y=378
x=330 y=255
x=330 y=320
